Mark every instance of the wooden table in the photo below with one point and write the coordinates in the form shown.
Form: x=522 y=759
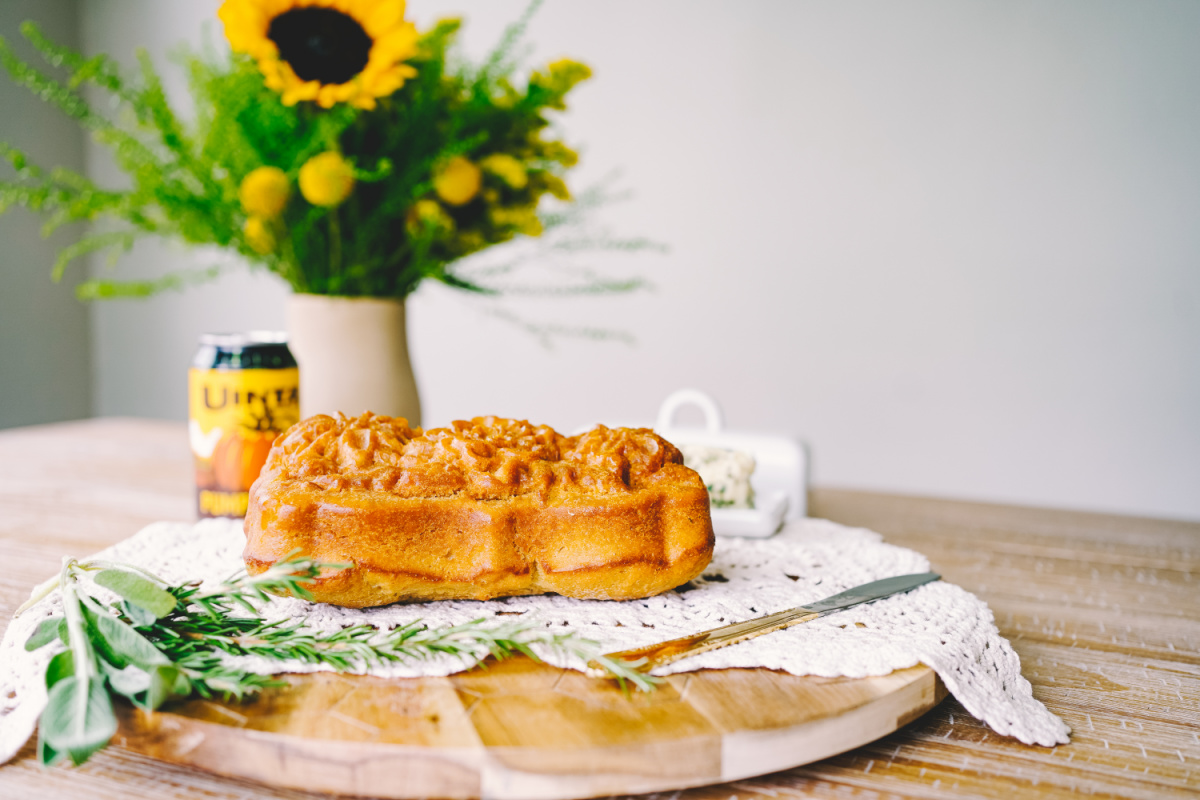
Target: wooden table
x=1103 y=610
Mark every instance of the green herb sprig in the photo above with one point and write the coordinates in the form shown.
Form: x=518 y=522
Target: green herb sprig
x=158 y=642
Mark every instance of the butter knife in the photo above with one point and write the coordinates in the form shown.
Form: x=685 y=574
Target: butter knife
x=656 y=655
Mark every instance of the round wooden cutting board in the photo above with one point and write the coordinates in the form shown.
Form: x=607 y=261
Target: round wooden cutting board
x=520 y=729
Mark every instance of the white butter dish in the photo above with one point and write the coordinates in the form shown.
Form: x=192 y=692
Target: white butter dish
x=780 y=477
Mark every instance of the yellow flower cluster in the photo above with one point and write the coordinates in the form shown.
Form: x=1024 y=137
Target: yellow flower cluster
x=507 y=168
x=475 y=203
x=263 y=194
x=259 y=235
x=428 y=212
x=326 y=179
x=522 y=219
x=559 y=78
x=355 y=52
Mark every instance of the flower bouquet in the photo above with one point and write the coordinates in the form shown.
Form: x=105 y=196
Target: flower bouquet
x=335 y=146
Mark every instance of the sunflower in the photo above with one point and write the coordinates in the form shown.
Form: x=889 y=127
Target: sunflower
x=329 y=51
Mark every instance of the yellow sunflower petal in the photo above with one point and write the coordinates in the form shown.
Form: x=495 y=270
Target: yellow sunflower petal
x=245 y=27
x=327 y=96
x=297 y=90
x=392 y=40
x=379 y=18
x=395 y=46
x=385 y=84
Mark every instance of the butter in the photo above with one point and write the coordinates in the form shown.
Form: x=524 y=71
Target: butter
x=726 y=474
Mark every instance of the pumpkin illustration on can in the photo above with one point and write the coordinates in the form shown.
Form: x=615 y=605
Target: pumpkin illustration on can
x=239 y=457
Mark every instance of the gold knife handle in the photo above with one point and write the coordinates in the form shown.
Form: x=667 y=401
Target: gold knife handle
x=656 y=655
x=645 y=659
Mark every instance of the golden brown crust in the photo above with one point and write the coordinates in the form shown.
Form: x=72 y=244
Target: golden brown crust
x=487 y=508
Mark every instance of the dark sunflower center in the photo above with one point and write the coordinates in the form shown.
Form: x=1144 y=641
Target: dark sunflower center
x=320 y=44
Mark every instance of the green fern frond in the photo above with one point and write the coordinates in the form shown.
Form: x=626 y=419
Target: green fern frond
x=115 y=242
x=178 y=281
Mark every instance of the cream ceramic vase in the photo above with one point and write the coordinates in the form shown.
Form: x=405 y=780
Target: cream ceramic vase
x=353 y=356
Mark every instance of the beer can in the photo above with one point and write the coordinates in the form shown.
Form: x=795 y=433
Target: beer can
x=243 y=391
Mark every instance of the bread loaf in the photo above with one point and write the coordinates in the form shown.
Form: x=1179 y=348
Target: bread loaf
x=487 y=508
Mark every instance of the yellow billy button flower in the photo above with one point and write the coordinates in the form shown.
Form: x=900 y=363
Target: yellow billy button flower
x=458 y=181
x=567 y=73
x=523 y=219
x=507 y=169
x=557 y=151
x=264 y=192
x=259 y=235
x=471 y=241
x=560 y=77
x=428 y=212
x=555 y=186
x=326 y=179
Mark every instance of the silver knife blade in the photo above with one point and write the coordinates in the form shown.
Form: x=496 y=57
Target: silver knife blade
x=871 y=591
x=667 y=652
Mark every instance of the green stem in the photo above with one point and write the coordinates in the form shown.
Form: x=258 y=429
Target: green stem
x=292 y=271
x=76 y=636
x=335 y=243
x=81 y=650
x=38 y=594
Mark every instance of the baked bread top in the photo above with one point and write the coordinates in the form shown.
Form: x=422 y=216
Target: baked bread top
x=486 y=508
x=487 y=458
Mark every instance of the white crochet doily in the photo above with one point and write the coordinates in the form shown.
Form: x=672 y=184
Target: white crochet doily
x=938 y=624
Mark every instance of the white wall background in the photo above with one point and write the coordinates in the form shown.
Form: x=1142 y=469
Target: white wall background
x=954 y=246
x=45 y=372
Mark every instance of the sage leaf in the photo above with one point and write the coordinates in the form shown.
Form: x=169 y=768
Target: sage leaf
x=165 y=681
x=46 y=632
x=130 y=681
x=137 y=590
x=78 y=720
x=47 y=755
x=119 y=644
x=182 y=686
x=140 y=617
x=146 y=689
x=61 y=666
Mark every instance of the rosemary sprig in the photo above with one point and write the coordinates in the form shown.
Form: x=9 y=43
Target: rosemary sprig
x=158 y=642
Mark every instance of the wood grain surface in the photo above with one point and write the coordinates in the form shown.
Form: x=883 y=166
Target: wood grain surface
x=520 y=729
x=1103 y=610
